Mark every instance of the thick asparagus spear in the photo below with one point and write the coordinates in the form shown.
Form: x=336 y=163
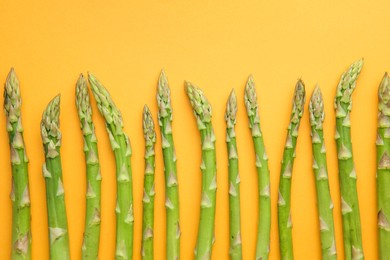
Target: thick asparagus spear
x=383 y=165
x=120 y=144
x=148 y=199
x=264 y=222
x=234 y=179
x=284 y=200
x=325 y=205
x=21 y=226
x=349 y=198
x=202 y=111
x=90 y=248
x=52 y=171
x=170 y=171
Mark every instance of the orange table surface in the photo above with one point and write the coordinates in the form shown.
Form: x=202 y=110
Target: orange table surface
x=216 y=45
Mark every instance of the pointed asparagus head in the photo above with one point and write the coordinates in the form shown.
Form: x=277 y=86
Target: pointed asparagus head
x=164 y=97
x=316 y=108
x=298 y=102
x=104 y=102
x=200 y=105
x=50 y=123
x=12 y=99
x=148 y=127
x=384 y=95
x=82 y=100
x=231 y=110
x=251 y=102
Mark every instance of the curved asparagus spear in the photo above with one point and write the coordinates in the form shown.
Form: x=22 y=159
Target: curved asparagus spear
x=349 y=198
x=202 y=111
x=383 y=165
x=264 y=222
x=170 y=170
x=325 y=205
x=120 y=144
x=234 y=179
x=284 y=200
x=21 y=226
x=148 y=199
x=90 y=248
x=52 y=171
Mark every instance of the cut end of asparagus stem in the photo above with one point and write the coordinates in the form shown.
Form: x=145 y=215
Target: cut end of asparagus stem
x=148 y=127
x=231 y=110
x=200 y=104
x=82 y=100
x=384 y=95
x=50 y=124
x=316 y=108
x=105 y=103
x=298 y=102
x=12 y=99
x=163 y=97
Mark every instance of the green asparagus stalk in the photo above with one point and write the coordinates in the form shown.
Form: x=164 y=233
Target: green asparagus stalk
x=148 y=199
x=383 y=165
x=170 y=170
x=120 y=144
x=21 y=226
x=349 y=198
x=52 y=171
x=202 y=111
x=90 y=248
x=325 y=205
x=234 y=179
x=284 y=200
x=264 y=221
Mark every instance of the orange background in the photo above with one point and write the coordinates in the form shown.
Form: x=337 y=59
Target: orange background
x=216 y=45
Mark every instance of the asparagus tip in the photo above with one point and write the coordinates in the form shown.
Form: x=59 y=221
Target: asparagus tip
x=384 y=92
x=298 y=101
x=12 y=99
x=148 y=125
x=163 y=94
x=316 y=107
x=231 y=108
x=50 y=119
x=199 y=102
x=82 y=99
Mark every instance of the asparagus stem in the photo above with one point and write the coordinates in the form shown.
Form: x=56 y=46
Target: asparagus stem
x=202 y=111
x=148 y=199
x=383 y=165
x=20 y=196
x=121 y=147
x=90 y=248
x=284 y=200
x=349 y=198
x=234 y=179
x=170 y=170
x=325 y=205
x=263 y=178
x=52 y=171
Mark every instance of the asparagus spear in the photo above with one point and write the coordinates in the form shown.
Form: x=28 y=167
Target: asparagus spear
x=284 y=200
x=325 y=205
x=148 y=199
x=383 y=165
x=120 y=145
x=90 y=248
x=202 y=111
x=349 y=198
x=264 y=222
x=234 y=179
x=170 y=170
x=21 y=226
x=52 y=171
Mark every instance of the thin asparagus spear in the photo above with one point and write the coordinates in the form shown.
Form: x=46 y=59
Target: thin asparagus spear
x=148 y=199
x=325 y=205
x=170 y=170
x=90 y=248
x=120 y=144
x=202 y=111
x=264 y=222
x=52 y=171
x=383 y=165
x=234 y=179
x=284 y=200
x=21 y=226
x=349 y=198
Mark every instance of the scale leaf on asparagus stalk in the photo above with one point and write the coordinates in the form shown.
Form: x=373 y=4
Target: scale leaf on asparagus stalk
x=120 y=145
x=52 y=172
x=203 y=113
x=20 y=196
x=170 y=170
x=353 y=248
x=284 y=200
x=148 y=198
x=264 y=221
x=325 y=205
x=234 y=179
x=90 y=247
